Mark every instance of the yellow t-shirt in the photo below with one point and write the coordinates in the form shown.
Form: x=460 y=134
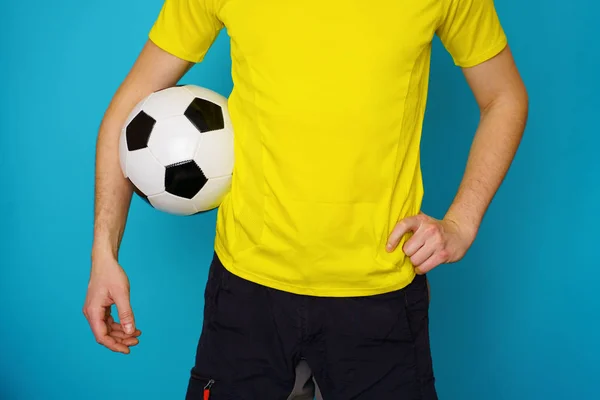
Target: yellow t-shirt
x=327 y=109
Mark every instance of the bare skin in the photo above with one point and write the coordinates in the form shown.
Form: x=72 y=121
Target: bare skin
x=154 y=69
x=503 y=103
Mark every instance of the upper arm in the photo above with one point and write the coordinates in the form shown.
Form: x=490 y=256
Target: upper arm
x=186 y=28
x=155 y=69
x=472 y=33
x=497 y=80
x=181 y=35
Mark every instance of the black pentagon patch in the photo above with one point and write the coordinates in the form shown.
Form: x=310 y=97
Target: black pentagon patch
x=205 y=115
x=138 y=131
x=184 y=179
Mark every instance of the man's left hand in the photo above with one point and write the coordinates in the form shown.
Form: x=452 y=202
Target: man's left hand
x=433 y=242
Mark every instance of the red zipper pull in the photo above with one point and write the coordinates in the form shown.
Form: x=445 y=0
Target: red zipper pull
x=207 y=389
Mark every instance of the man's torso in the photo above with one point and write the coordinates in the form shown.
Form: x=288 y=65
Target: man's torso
x=327 y=109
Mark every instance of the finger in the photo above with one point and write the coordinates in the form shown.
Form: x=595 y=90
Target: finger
x=99 y=327
x=124 y=310
x=109 y=322
x=122 y=335
x=130 y=342
x=125 y=340
x=415 y=243
x=435 y=260
x=404 y=226
x=116 y=327
x=429 y=233
x=97 y=323
x=422 y=254
x=126 y=344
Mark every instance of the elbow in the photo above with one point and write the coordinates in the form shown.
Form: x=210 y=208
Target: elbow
x=511 y=106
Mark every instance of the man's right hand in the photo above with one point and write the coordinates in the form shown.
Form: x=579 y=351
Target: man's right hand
x=109 y=285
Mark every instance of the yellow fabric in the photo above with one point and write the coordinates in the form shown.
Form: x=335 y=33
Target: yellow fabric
x=327 y=109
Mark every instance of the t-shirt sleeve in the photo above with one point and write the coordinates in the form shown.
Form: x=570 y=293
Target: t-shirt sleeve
x=186 y=28
x=471 y=31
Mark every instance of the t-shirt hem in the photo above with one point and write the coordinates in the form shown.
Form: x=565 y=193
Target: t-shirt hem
x=303 y=290
x=482 y=57
x=157 y=39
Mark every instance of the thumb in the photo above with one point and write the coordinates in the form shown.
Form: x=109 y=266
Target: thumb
x=404 y=226
x=124 y=310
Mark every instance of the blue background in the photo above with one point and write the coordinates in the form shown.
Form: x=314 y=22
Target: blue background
x=518 y=318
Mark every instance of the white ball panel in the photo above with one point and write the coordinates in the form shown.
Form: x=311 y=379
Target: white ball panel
x=172 y=204
x=206 y=94
x=145 y=172
x=215 y=153
x=123 y=152
x=168 y=103
x=174 y=140
x=212 y=193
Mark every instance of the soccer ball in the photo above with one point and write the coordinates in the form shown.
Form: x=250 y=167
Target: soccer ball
x=176 y=148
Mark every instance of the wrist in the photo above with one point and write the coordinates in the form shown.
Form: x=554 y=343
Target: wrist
x=102 y=251
x=467 y=225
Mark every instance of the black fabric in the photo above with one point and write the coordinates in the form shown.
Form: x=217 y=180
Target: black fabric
x=362 y=348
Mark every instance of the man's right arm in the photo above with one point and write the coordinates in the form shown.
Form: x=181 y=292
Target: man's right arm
x=154 y=69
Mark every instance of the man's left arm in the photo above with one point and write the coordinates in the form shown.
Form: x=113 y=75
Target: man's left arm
x=503 y=103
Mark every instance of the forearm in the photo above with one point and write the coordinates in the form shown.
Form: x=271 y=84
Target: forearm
x=112 y=190
x=154 y=70
x=494 y=146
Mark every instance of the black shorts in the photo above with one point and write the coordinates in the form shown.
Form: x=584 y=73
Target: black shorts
x=259 y=343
